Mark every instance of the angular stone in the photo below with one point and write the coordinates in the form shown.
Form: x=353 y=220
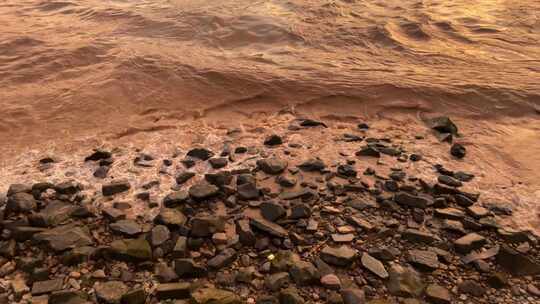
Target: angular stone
x=127 y=227
x=44 y=287
x=449 y=181
x=203 y=191
x=180 y=248
x=269 y=227
x=449 y=213
x=359 y=222
x=272 y=165
x=413 y=201
x=53 y=214
x=304 y=194
x=20 y=202
x=404 y=282
x=224 y=258
x=275 y=281
x=132 y=249
x=374 y=265
x=331 y=281
x=65 y=237
x=115 y=187
x=272 y=211
x=205 y=226
x=339 y=256
x=299 y=211
x=517 y=263
x=472 y=288
x=423 y=259
x=173 y=291
x=304 y=273
x=68 y=297
x=218 y=163
x=312 y=165
x=135 y=296
x=182 y=177
x=78 y=255
x=417 y=236
x=159 y=235
x=214 y=296
x=187 y=268
x=200 y=153
x=437 y=294
x=469 y=242
x=290 y=296
x=110 y=292
x=170 y=217
x=175 y=199
x=342 y=238
x=368 y=151
x=245 y=234
x=273 y=140
x=247 y=191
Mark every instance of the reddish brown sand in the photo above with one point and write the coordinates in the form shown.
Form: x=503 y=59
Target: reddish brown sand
x=75 y=74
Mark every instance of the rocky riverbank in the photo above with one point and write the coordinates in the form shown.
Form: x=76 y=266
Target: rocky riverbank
x=306 y=212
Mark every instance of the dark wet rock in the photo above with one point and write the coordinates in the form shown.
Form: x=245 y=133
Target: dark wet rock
x=65 y=237
x=437 y=294
x=353 y=296
x=98 y=155
x=245 y=234
x=304 y=194
x=102 y=171
x=414 y=201
x=273 y=140
x=272 y=165
x=423 y=260
x=449 y=181
x=417 y=236
x=312 y=165
x=415 y=157
x=200 y=153
x=131 y=249
x=214 y=296
x=218 y=163
x=300 y=211
x=134 y=296
x=346 y=171
x=224 y=258
x=170 y=217
x=48 y=286
x=180 y=248
x=127 y=227
x=269 y=227
x=276 y=281
x=286 y=181
x=167 y=291
x=79 y=255
x=187 y=268
x=115 y=187
x=184 y=176
x=304 y=273
x=175 y=199
x=205 y=226
x=368 y=151
x=463 y=200
x=67 y=188
x=20 y=202
x=469 y=242
x=443 y=124
x=516 y=263
x=312 y=123
x=404 y=282
x=374 y=265
x=472 y=288
x=498 y=280
x=110 y=292
x=272 y=210
x=54 y=213
x=203 y=191
x=458 y=150
x=247 y=191
x=159 y=235
x=339 y=256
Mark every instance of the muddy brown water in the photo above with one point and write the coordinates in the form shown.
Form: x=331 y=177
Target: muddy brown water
x=77 y=73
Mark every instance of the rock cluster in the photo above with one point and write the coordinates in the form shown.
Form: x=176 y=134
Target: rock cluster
x=261 y=226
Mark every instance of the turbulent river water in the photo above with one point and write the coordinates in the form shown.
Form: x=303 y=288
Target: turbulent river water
x=72 y=70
